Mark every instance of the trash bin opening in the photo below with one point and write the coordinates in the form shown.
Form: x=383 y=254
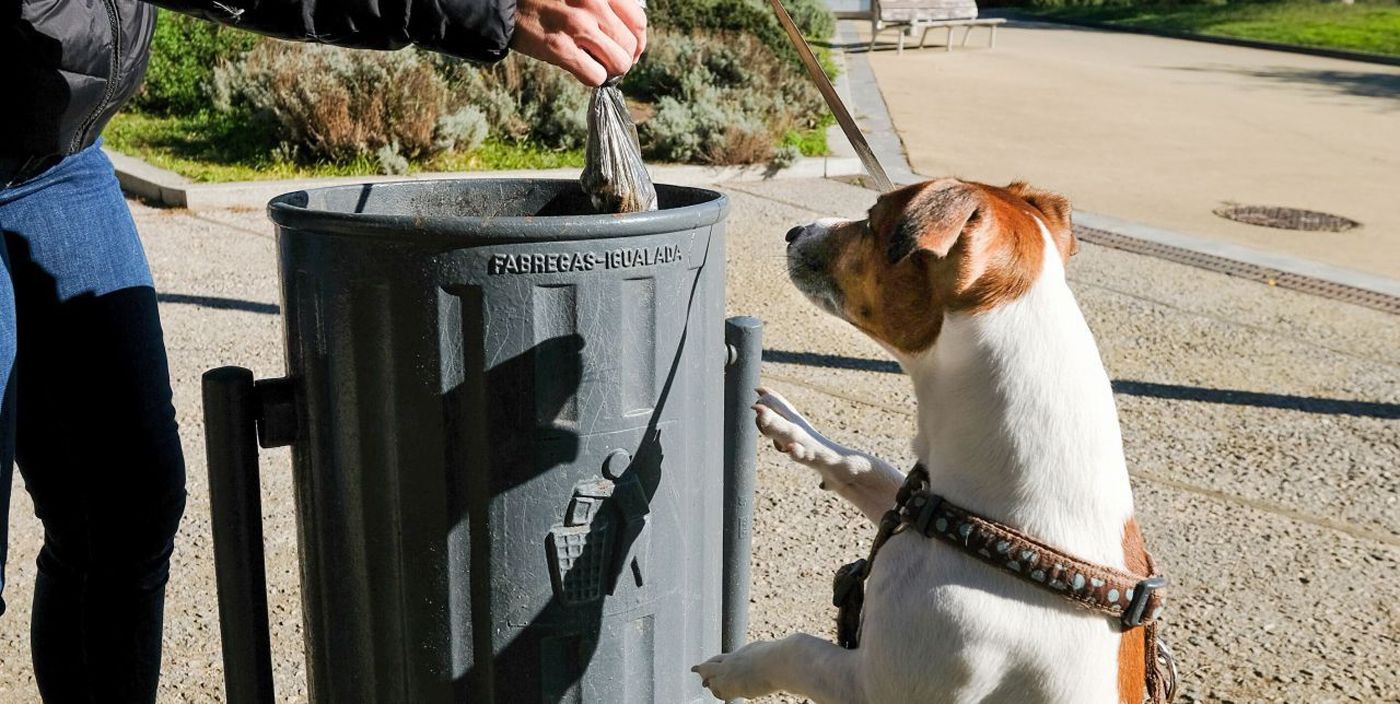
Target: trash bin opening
x=490 y=209
x=482 y=199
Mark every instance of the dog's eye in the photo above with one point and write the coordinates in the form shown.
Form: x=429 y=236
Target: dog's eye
x=867 y=229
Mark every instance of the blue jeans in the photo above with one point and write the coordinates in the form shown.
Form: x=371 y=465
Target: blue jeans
x=87 y=417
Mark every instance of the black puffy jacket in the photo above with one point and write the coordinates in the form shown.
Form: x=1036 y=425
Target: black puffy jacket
x=66 y=66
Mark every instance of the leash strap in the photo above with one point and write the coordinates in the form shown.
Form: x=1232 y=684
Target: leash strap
x=833 y=101
x=1135 y=601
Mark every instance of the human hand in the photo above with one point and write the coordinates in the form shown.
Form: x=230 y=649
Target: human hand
x=592 y=39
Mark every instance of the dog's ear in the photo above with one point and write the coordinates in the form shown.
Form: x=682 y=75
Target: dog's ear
x=934 y=221
x=1057 y=211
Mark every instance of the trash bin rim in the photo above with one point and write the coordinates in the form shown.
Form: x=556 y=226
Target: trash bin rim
x=474 y=230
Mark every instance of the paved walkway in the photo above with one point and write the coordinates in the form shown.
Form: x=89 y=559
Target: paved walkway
x=1162 y=131
x=1260 y=424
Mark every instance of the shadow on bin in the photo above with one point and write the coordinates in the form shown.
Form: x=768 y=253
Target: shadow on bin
x=630 y=498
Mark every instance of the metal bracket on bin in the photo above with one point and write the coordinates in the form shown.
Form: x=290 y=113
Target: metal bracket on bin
x=240 y=415
x=277 y=412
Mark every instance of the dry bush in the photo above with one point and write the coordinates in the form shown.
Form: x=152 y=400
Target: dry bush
x=737 y=145
x=523 y=100
x=752 y=18
x=686 y=66
x=338 y=103
x=720 y=98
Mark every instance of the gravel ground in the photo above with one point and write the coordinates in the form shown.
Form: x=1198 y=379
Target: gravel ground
x=1261 y=426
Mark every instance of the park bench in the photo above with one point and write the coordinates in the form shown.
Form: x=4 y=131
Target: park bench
x=910 y=16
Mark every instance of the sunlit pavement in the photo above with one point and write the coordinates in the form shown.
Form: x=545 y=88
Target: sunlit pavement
x=1160 y=131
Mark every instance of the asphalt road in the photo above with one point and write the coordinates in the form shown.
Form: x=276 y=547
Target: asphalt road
x=1260 y=424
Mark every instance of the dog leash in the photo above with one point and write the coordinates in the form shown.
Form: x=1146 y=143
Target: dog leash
x=833 y=101
x=1136 y=601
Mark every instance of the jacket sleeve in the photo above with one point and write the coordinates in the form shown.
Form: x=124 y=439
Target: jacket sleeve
x=478 y=30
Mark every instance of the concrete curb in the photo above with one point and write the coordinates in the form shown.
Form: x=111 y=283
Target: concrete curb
x=1288 y=264
x=149 y=183
x=861 y=92
x=1344 y=54
x=166 y=188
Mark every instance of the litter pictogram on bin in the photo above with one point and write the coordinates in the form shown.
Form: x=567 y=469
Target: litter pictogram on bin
x=579 y=550
x=604 y=518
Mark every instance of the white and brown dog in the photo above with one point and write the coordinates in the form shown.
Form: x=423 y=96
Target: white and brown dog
x=964 y=284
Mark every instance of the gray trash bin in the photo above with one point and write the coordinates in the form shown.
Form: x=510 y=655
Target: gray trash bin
x=514 y=479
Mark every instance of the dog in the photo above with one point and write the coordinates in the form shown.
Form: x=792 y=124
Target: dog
x=964 y=285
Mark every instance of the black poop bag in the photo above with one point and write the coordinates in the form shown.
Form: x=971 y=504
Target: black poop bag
x=614 y=176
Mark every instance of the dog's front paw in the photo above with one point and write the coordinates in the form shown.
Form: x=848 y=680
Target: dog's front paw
x=789 y=431
x=736 y=675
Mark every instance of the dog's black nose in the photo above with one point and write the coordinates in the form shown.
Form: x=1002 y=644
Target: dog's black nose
x=794 y=233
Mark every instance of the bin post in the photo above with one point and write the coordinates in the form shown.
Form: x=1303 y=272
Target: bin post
x=235 y=504
x=743 y=337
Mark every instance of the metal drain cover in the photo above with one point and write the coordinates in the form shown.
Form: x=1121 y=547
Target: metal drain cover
x=1287 y=218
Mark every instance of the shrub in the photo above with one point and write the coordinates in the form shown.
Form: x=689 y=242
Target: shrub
x=390 y=161
x=747 y=142
x=464 y=130
x=709 y=97
x=752 y=17
x=680 y=65
x=711 y=130
x=712 y=97
x=184 y=53
x=340 y=104
x=785 y=156
x=523 y=100
x=678 y=130
x=720 y=98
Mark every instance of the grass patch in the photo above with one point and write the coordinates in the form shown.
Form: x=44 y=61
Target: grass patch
x=506 y=156
x=809 y=142
x=1366 y=26
x=213 y=148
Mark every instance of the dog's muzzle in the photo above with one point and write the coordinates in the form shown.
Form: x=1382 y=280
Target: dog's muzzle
x=809 y=254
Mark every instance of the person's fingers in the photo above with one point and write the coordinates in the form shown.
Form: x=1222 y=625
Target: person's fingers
x=607 y=52
x=594 y=40
x=617 y=30
x=585 y=67
x=561 y=52
x=634 y=16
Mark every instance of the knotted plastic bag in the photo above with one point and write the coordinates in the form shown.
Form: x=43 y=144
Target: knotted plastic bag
x=614 y=176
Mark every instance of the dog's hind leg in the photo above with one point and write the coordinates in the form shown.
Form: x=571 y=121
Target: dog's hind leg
x=863 y=479
x=799 y=664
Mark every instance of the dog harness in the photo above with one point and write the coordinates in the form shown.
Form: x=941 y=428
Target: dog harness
x=1135 y=601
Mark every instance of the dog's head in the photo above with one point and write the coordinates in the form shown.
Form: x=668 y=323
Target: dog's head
x=924 y=250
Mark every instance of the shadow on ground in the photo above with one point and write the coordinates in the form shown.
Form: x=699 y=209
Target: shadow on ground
x=1364 y=84
x=1130 y=387
x=220 y=303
